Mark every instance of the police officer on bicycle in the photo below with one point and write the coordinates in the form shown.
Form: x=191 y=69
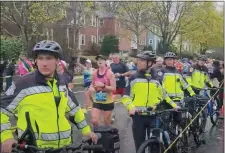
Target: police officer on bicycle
x=143 y=93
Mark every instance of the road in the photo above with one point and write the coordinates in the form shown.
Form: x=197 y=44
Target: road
x=214 y=135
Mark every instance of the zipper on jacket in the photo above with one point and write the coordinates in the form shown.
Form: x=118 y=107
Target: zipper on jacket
x=57 y=101
x=147 y=94
x=58 y=124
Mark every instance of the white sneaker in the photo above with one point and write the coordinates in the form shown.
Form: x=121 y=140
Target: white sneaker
x=113 y=118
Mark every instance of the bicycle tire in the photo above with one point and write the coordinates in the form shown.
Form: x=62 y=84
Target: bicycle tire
x=150 y=142
x=214 y=121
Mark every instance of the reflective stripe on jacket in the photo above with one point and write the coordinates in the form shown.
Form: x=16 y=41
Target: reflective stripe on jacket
x=144 y=92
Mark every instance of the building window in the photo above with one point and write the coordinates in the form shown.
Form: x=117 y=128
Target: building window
x=93 y=20
x=150 y=41
x=101 y=22
x=82 y=21
x=100 y=38
x=93 y=39
x=82 y=39
x=119 y=25
x=142 y=42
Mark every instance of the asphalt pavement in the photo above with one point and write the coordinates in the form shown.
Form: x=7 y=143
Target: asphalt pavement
x=214 y=135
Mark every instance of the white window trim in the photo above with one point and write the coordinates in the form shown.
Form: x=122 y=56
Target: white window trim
x=81 y=39
x=150 y=41
x=93 y=18
x=93 y=39
x=47 y=33
x=100 y=22
x=68 y=37
x=52 y=34
x=100 y=38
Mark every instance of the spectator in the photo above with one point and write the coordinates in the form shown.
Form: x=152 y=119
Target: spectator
x=2 y=69
x=62 y=69
x=25 y=66
x=10 y=71
x=72 y=65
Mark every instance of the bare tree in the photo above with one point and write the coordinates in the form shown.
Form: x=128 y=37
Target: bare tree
x=29 y=17
x=168 y=16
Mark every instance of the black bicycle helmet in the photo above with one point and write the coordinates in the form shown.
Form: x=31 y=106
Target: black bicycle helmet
x=147 y=55
x=48 y=46
x=100 y=56
x=170 y=55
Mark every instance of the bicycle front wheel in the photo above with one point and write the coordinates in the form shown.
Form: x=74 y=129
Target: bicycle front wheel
x=151 y=146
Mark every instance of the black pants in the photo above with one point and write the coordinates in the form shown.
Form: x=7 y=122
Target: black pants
x=1 y=83
x=139 y=128
x=8 y=83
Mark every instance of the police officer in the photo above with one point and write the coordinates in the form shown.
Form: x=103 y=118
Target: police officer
x=142 y=93
x=172 y=80
x=41 y=100
x=198 y=76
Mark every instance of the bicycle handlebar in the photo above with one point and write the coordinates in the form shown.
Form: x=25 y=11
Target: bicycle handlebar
x=138 y=113
x=208 y=89
x=197 y=98
x=68 y=148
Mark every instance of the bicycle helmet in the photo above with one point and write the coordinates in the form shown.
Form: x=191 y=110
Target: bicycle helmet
x=170 y=55
x=147 y=55
x=100 y=56
x=48 y=46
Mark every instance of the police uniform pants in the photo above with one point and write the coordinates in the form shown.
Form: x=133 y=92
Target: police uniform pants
x=139 y=128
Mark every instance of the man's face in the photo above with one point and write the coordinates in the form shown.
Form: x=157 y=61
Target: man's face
x=116 y=59
x=201 y=62
x=159 y=63
x=169 y=61
x=47 y=64
x=141 y=64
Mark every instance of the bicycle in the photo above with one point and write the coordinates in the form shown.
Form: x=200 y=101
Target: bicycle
x=197 y=128
x=159 y=137
x=24 y=148
x=212 y=108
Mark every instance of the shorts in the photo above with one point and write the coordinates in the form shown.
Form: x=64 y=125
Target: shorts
x=104 y=107
x=119 y=91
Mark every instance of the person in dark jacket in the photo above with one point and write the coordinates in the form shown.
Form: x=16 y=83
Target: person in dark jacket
x=2 y=69
x=10 y=71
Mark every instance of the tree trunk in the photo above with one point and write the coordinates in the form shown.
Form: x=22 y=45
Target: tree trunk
x=181 y=43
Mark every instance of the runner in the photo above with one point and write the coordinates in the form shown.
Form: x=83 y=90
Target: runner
x=121 y=71
x=102 y=86
x=88 y=72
